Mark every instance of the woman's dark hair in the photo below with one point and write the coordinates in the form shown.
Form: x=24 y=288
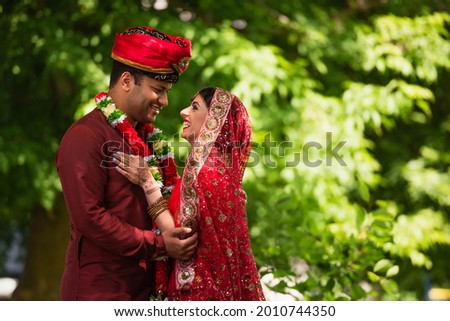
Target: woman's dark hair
x=119 y=68
x=207 y=94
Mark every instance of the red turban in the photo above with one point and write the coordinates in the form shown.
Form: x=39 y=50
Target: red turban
x=159 y=55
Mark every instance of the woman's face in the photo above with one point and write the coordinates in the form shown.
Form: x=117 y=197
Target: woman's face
x=193 y=116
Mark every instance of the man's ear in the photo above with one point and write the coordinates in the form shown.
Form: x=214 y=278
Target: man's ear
x=126 y=81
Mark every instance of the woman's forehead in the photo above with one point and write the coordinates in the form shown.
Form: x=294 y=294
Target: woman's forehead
x=199 y=99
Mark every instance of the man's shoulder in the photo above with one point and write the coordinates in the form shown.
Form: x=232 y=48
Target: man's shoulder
x=92 y=121
x=94 y=117
x=91 y=124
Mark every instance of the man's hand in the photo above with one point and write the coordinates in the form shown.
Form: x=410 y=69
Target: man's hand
x=177 y=246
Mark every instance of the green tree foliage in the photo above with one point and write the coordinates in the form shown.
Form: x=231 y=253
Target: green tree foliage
x=348 y=182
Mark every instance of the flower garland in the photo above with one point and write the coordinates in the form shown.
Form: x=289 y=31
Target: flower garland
x=161 y=164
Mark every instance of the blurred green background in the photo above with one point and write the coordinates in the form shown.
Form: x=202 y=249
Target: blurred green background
x=348 y=183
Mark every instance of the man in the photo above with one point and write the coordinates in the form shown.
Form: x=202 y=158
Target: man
x=112 y=245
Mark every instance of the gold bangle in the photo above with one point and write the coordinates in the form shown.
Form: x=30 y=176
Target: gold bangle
x=158 y=202
x=156 y=208
x=156 y=213
x=150 y=191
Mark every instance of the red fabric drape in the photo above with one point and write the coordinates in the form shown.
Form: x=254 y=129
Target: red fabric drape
x=210 y=199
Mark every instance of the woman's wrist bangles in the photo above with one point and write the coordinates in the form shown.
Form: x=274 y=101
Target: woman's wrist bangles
x=154 y=189
x=156 y=208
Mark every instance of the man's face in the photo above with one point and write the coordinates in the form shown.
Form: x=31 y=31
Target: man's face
x=147 y=99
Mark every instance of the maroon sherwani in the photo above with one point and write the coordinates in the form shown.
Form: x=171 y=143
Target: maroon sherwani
x=111 y=243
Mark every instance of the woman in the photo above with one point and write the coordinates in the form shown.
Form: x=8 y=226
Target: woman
x=209 y=199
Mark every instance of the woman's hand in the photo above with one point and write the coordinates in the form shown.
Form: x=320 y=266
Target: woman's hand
x=135 y=168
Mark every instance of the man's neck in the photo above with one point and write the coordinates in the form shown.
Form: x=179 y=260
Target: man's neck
x=133 y=123
x=120 y=104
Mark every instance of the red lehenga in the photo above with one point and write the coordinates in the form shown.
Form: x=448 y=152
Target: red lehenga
x=210 y=199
